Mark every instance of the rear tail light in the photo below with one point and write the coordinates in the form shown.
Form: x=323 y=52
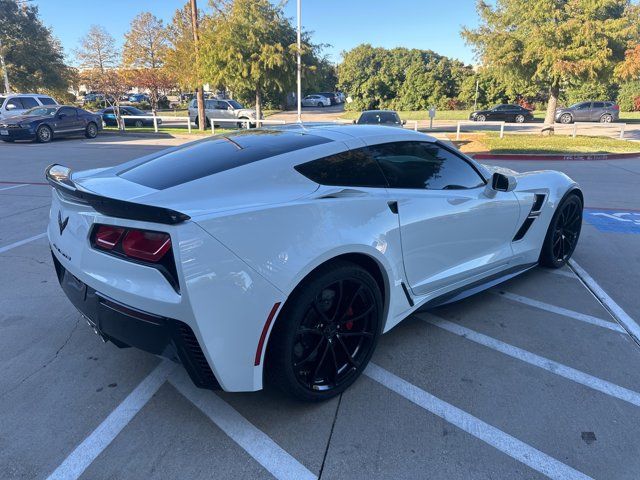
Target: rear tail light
x=130 y=242
x=145 y=245
x=141 y=246
x=616 y=107
x=108 y=236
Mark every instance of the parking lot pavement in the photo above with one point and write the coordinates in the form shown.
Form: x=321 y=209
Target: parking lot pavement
x=531 y=379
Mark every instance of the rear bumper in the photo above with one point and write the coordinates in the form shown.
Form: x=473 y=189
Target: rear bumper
x=129 y=327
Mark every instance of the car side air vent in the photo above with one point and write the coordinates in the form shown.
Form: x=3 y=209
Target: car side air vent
x=538 y=202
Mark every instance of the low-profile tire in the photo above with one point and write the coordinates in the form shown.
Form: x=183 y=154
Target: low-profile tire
x=606 y=118
x=138 y=124
x=563 y=233
x=566 y=118
x=91 y=130
x=326 y=333
x=44 y=134
x=480 y=118
x=519 y=118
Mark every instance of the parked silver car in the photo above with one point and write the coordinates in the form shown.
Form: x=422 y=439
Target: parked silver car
x=219 y=110
x=316 y=101
x=604 y=112
x=18 y=103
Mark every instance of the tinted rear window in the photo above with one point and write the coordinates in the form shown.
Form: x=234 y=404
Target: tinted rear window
x=217 y=155
x=46 y=101
x=379 y=118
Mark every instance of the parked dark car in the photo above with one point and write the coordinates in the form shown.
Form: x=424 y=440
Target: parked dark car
x=139 y=97
x=605 y=112
x=129 y=115
x=45 y=123
x=331 y=96
x=505 y=113
x=388 y=118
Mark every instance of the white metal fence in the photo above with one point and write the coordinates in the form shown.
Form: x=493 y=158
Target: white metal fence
x=471 y=122
x=240 y=123
x=574 y=126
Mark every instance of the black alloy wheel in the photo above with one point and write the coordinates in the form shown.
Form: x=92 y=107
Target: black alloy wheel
x=563 y=234
x=44 y=134
x=91 y=131
x=327 y=334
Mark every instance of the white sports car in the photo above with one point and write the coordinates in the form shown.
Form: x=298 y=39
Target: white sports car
x=283 y=254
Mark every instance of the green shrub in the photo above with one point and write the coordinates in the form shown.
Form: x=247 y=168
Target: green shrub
x=627 y=96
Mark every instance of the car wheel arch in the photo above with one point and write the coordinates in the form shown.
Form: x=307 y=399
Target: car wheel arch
x=369 y=263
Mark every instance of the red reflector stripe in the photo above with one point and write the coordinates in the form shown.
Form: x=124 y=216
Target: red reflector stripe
x=263 y=336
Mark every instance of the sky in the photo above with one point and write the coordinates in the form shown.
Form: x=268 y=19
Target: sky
x=425 y=24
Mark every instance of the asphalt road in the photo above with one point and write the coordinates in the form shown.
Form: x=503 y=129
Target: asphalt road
x=534 y=378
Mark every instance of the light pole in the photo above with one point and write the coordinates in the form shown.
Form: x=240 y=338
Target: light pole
x=475 y=101
x=299 y=96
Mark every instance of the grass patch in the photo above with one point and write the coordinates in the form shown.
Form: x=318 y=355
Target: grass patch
x=482 y=142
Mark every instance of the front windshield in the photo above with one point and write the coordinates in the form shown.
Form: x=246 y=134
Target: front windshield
x=41 y=112
x=235 y=104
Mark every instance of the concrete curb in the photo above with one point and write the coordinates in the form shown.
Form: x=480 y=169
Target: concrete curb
x=576 y=157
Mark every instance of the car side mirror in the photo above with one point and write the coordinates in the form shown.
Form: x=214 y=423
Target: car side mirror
x=503 y=183
x=404 y=122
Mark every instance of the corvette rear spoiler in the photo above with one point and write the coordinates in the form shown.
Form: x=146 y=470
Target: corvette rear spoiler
x=60 y=178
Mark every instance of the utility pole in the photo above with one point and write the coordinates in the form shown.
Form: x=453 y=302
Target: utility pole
x=299 y=64
x=7 y=88
x=202 y=122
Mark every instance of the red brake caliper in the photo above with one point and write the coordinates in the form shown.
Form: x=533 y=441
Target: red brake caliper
x=349 y=324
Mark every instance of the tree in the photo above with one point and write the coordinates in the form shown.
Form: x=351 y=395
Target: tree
x=629 y=69
x=33 y=57
x=97 y=50
x=249 y=46
x=401 y=78
x=144 y=52
x=554 y=41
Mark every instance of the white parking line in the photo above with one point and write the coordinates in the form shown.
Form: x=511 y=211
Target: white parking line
x=85 y=453
x=562 y=272
x=498 y=439
x=616 y=310
x=583 y=317
x=13 y=186
x=22 y=242
x=254 y=441
x=554 y=367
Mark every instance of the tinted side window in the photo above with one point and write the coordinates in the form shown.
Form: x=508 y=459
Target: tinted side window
x=15 y=102
x=29 y=102
x=354 y=168
x=598 y=105
x=70 y=112
x=46 y=101
x=424 y=166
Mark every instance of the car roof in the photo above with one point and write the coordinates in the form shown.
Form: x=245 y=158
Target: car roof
x=367 y=133
x=26 y=95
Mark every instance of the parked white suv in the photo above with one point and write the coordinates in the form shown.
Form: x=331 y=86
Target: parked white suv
x=225 y=112
x=17 y=103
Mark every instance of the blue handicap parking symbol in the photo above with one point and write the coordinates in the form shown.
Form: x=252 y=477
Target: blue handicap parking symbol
x=620 y=221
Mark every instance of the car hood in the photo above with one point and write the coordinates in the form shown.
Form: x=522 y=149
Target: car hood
x=24 y=119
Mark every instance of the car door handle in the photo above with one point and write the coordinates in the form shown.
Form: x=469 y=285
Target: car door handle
x=344 y=193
